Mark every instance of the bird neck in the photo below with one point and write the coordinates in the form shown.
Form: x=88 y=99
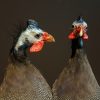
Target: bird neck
x=77 y=44
x=18 y=55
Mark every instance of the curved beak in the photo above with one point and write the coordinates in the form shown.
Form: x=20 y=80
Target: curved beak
x=48 y=37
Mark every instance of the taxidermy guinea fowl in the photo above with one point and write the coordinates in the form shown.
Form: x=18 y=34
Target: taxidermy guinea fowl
x=22 y=81
x=77 y=81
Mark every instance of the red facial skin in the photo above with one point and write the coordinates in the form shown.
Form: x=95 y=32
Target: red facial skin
x=45 y=36
x=76 y=32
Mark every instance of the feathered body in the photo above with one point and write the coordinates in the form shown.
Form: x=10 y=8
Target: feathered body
x=24 y=82
x=77 y=81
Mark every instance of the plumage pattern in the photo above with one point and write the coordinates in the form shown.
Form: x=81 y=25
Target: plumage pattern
x=77 y=81
x=24 y=82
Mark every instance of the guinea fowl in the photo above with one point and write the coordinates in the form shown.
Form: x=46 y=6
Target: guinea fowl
x=22 y=80
x=77 y=81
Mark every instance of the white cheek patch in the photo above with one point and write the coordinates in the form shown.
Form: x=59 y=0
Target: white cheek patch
x=30 y=35
x=20 y=41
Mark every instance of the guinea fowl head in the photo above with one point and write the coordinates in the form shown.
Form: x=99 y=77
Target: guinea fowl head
x=33 y=37
x=79 y=29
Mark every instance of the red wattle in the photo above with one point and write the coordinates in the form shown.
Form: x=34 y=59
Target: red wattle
x=37 y=46
x=85 y=36
x=71 y=36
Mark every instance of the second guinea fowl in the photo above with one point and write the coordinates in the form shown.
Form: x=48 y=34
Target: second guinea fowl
x=22 y=80
x=77 y=81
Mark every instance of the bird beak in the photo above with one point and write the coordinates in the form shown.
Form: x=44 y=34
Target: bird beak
x=81 y=32
x=48 y=37
x=36 y=47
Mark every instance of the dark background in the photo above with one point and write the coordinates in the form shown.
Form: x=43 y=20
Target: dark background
x=56 y=17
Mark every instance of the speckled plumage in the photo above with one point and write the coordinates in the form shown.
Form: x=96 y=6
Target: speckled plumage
x=77 y=81
x=24 y=82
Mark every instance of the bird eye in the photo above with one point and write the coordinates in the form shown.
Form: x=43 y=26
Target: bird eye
x=72 y=26
x=37 y=36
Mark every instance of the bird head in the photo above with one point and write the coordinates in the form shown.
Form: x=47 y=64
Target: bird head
x=79 y=27
x=34 y=37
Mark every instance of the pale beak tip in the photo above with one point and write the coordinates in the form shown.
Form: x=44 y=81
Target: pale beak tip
x=53 y=40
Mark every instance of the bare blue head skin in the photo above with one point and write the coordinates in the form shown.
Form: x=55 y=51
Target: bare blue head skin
x=32 y=24
x=31 y=35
